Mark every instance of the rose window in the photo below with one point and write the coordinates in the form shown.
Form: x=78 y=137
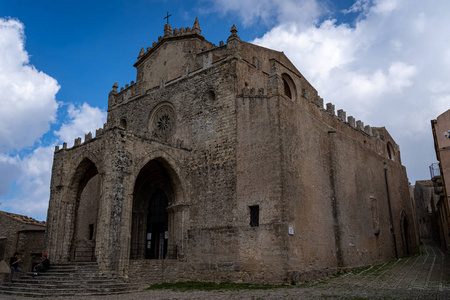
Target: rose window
x=163 y=122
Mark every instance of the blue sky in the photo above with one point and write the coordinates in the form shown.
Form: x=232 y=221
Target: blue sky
x=386 y=62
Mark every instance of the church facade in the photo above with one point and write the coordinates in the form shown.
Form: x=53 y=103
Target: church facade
x=221 y=163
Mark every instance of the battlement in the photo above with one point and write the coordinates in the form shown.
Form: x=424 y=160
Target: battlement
x=329 y=108
x=375 y=138
x=87 y=138
x=175 y=33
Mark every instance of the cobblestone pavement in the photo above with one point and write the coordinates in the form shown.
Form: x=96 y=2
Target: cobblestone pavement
x=426 y=276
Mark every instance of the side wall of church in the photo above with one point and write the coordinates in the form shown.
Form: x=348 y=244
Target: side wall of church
x=336 y=194
x=259 y=183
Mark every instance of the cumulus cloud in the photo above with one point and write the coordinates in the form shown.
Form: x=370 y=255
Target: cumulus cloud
x=27 y=95
x=81 y=120
x=32 y=174
x=9 y=169
x=390 y=67
x=270 y=12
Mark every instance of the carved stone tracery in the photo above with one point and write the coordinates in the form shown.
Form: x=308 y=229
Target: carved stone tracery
x=163 y=122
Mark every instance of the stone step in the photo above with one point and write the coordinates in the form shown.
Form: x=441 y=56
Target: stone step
x=57 y=272
x=88 y=277
x=72 y=289
x=61 y=294
x=67 y=282
x=84 y=279
x=72 y=268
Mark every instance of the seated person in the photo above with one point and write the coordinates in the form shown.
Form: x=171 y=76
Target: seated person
x=43 y=266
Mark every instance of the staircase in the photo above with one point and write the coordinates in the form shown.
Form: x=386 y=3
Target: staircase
x=76 y=279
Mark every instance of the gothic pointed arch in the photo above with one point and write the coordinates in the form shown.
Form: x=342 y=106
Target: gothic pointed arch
x=405 y=228
x=156 y=219
x=84 y=198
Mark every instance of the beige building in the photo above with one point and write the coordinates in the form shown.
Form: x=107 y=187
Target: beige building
x=441 y=175
x=221 y=163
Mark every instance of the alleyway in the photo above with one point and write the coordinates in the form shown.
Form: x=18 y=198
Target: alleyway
x=426 y=276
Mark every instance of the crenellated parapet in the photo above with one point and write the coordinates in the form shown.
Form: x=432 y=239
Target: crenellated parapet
x=174 y=33
x=350 y=121
x=87 y=138
x=127 y=92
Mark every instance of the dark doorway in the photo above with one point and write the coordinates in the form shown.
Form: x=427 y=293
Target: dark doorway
x=157 y=226
x=150 y=232
x=86 y=188
x=405 y=235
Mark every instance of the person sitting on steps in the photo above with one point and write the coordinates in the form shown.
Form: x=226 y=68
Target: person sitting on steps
x=43 y=266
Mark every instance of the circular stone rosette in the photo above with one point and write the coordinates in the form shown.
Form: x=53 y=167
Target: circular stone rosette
x=163 y=122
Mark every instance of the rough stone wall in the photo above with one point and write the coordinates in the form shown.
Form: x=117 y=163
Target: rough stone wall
x=204 y=130
x=426 y=200
x=69 y=169
x=334 y=182
x=262 y=248
x=441 y=132
x=9 y=229
x=30 y=245
x=441 y=126
x=29 y=239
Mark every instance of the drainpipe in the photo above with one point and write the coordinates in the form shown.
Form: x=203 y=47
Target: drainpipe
x=390 y=210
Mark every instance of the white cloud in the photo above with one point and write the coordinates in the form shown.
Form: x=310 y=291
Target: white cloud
x=27 y=95
x=270 y=12
x=358 y=7
x=82 y=120
x=9 y=169
x=32 y=174
x=384 y=6
x=390 y=68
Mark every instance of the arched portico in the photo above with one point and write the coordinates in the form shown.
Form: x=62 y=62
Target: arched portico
x=84 y=200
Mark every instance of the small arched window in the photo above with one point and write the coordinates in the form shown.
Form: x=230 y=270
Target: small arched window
x=289 y=87
x=390 y=151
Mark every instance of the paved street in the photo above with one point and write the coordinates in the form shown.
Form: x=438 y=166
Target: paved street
x=426 y=276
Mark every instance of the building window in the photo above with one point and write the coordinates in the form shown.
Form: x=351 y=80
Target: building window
x=390 y=151
x=289 y=87
x=254 y=215
x=287 y=90
x=123 y=123
x=163 y=121
x=91 y=232
x=210 y=96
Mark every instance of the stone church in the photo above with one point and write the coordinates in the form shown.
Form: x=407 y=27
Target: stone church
x=221 y=163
